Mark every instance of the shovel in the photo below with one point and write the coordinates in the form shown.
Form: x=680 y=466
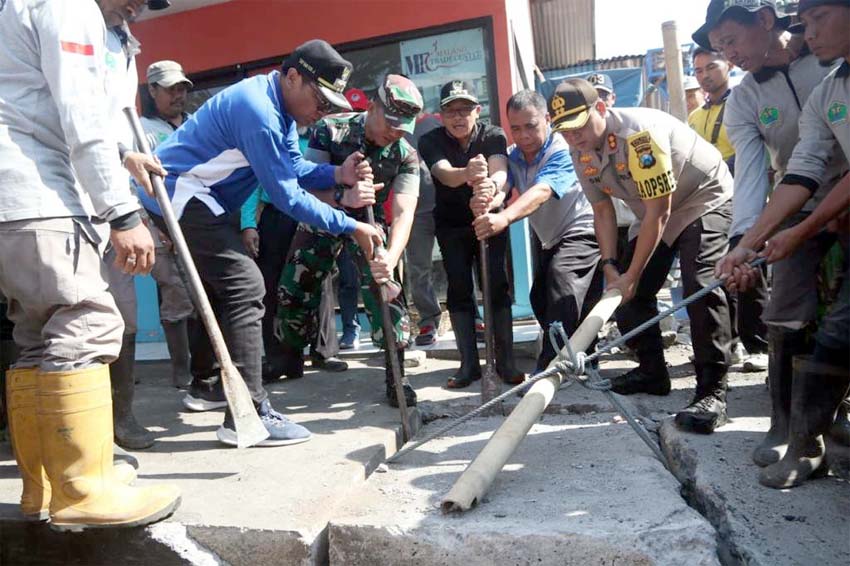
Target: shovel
x=490 y=382
x=390 y=343
x=249 y=429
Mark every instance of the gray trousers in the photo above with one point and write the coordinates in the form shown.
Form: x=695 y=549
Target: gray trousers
x=122 y=287
x=54 y=280
x=420 y=279
x=794 y=293
x=175 y=304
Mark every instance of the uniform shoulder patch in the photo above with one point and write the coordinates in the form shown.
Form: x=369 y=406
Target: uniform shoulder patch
x=837 y=113
x=650 y=167
x=769 y=115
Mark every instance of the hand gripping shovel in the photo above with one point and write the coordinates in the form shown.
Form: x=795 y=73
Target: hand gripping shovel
x=249 y=429
x=391 y=345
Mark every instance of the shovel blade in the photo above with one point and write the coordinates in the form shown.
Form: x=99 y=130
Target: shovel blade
x=249 y=428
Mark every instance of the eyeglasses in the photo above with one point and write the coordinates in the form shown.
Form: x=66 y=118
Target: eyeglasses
x=463 y=111
x=323 y=105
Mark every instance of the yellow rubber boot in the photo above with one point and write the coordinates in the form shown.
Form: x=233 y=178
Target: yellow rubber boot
x=21 y=387
x=75 y=425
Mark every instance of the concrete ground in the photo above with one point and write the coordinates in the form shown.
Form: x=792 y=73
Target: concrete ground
x=581 y=489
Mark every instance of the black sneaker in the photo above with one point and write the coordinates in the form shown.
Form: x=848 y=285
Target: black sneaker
x=703 y=415
x=636 y=381
x=409 y=395
x=332 y=363
x=205 y=396
x=290 y=367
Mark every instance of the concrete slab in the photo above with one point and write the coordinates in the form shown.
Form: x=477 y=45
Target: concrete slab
x=578 y=491
x=756 y=525
x=264 y=505
x=311 y=504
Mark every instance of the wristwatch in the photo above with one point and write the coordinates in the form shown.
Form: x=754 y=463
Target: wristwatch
x=339 y=192
x=610 y=261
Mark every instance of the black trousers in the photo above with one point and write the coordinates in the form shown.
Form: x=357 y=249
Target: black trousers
x=700 y=246
x=276 y=231
x=460 y=250
x=747 y=312
x=567 y=285
x=233 y=283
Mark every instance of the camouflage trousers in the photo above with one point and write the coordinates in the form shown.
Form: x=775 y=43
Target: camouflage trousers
x=312 y=256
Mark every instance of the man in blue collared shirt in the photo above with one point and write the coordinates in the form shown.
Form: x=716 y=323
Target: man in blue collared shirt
x=566 y=282
x=244 y=136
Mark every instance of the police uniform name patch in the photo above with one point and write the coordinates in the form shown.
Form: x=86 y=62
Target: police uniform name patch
x=650 y=166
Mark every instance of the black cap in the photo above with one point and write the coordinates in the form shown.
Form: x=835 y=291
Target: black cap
x=570 y=104
x=457 y=90
x=158 y=4
x=718 y=8
x=317 y=60
x=808 y=5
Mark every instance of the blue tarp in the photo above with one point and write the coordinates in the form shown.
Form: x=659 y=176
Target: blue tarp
x=628 y=83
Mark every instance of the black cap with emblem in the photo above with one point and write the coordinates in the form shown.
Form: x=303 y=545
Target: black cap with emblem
x=317 y=60
x=457 y=90
x=158 y=4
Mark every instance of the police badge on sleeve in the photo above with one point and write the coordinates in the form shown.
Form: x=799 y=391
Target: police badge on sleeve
x=650 y=166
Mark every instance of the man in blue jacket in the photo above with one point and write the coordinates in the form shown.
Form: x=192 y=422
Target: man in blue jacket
x=244 y=136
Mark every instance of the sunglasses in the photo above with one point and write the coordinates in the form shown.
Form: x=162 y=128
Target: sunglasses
x=463 y=111
x=323 y=105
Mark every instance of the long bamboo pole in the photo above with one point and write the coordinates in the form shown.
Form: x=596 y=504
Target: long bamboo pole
x=476 y=480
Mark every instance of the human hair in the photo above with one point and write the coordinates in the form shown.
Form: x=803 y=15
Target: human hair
x=703 y=51
x=525 y=99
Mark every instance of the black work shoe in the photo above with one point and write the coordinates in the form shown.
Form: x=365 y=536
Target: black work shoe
x=409 y=395
x=289 y=367
x=334 y=364
x=703 y=415
x=637 y=381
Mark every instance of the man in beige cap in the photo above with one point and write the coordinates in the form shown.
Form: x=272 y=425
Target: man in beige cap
x=168 y=87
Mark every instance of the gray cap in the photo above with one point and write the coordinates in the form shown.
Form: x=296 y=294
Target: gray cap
x=167 y=74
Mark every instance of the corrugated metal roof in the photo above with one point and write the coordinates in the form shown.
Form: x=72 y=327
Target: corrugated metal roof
x=619 y=62
x=563 y=32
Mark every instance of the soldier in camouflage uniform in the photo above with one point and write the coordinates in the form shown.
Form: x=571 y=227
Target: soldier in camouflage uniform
x=378 y=135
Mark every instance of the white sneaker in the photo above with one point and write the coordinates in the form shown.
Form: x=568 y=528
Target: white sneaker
x=200 y=404
x=738 y=354
x=755 y=362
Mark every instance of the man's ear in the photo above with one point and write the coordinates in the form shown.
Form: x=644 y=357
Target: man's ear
x=766 y=19
x=292 y=76
x=601 y=108
x=152 y=90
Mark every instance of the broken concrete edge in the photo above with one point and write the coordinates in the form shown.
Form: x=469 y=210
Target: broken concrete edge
x=209 y=545
x=683 y=462
x=367 y=545
x=238 y=546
